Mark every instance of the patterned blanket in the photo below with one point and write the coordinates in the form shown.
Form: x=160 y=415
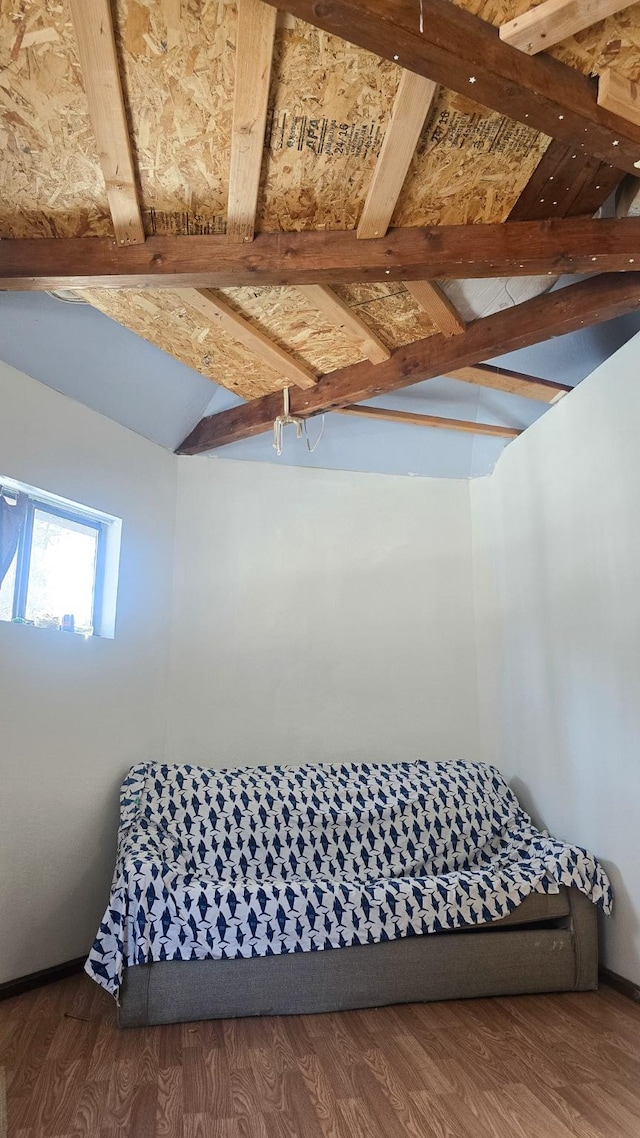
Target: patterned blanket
x=264 y=860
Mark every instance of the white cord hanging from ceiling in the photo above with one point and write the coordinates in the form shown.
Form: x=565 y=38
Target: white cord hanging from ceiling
x=300 y=425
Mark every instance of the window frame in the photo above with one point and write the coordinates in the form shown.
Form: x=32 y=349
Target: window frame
x=23 y=557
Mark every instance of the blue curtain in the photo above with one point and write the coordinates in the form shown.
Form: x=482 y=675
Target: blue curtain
x=12 y=516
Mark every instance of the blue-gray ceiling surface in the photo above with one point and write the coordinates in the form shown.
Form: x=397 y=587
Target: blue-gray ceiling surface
x=85 y=355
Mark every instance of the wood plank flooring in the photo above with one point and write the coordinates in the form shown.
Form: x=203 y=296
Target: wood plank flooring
x=565 y=1066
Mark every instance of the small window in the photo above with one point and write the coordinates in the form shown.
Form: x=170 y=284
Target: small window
x=53 y=557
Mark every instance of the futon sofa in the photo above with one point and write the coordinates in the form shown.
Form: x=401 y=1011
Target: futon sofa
x=264 y=891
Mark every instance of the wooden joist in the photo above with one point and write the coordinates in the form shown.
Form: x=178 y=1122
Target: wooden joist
x=439 y=308
x=346 y=321
x=218 y=311
x=465 y=54
x=620 y=96
x=555 y=20
x=410 y=109
x=93 y=26
x=502 y=379
x=588 y=302
x=438 y=421
x=564 y=245
x=256 y=29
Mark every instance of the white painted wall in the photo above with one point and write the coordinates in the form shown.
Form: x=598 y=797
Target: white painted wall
x=74 y=714
x=557 y=585
x=320 y=615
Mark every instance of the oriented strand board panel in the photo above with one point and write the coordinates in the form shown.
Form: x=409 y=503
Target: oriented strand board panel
x=329 y=109
x=163 y=318
x=389 y=310
x=294 y=324
x=614 y=42
x=52 y=184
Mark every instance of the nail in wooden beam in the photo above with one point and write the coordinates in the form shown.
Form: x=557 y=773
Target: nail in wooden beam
x=326 y=301
x=93 y=26
x=555 y=20
x=620 y=96
x=438 y=421
x=410 y=109
x=438 y=307
x=217 y=311
x=501 y=379
x=256 y=30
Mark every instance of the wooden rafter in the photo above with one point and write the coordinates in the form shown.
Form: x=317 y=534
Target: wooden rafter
x=93 y=26
x=565 y=245
x=540 y=28
x=502 y=379
x=256 y=29
x=410 y=109
x=619 y=95
x=346 y=320
x=438 y=421
x=466 y=54
x=588 y=302
x=218 y=311
x=438 y=307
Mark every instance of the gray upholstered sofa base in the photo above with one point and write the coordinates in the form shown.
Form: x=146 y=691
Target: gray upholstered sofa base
x=548 y=944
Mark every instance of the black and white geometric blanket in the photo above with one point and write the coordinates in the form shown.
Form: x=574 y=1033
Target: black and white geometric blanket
x=264 y=860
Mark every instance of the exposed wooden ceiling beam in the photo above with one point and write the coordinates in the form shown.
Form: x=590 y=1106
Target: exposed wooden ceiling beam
x=524 y=248
x=256 y=29
x=466 y=54
x=540 y=28
x=346 y=320
x=218 y=311
x=553 y=314
x=501 y=379
x=438 y=421
x=93 y=26
x=410 y=109
x=438 y=307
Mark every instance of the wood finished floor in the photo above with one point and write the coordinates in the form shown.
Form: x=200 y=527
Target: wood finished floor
x=565 y=1066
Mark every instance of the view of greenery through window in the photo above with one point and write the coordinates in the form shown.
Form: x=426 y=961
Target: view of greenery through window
x=62 y=573
x=62 y=570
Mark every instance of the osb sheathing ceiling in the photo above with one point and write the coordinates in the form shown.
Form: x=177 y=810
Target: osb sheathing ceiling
x=328 y=110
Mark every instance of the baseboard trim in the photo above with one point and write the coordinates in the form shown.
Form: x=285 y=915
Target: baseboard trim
x=37 y=979
x=621 y=984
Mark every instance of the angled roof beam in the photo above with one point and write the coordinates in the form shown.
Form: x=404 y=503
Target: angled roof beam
x=466 y=54
x=410 y=109
x=217 y=311
x=555 y=20
x=256 y=29
x=501 y=379
x=436 y=304
x=346 y=320
x=520 y=248
x=553 y=314
x=93 y=26
x=419 y=420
